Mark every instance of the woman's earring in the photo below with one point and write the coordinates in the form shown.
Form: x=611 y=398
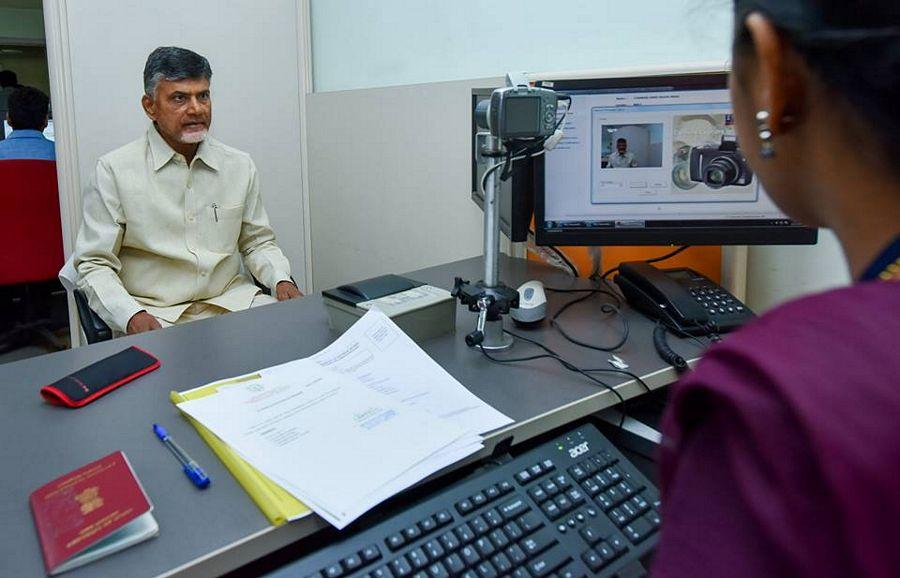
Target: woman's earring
x=767 y=150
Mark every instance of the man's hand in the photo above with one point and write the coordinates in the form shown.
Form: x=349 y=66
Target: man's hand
x=286 y=290
x=141 y=322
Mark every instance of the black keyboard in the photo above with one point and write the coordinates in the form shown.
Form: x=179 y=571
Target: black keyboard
x=570 y=507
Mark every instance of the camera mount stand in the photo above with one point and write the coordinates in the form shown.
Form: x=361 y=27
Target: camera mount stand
x=489 y=298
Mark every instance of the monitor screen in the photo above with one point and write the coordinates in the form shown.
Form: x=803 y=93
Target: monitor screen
x=653 y=160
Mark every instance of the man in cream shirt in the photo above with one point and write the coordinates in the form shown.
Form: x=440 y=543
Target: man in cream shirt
x=170 y=217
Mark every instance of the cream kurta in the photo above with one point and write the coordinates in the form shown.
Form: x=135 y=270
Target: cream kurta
x=158 y=235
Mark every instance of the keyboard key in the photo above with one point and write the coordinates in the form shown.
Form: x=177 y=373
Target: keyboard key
x=479 y=526
x=630 y=512
x=538 y=494
x=464 y=507
x=411 y=533
x=606 y=551
x=485 y=547
x=615 y=495
x=512 y=531
x=498 y=539
x=486 y=570
x=449 y=541
x=478 y=499
x=604 y=501
x=395 y=541
x=591 y=534
x=493 y=518
x=516 y=555
x=578 y=473
x=550 y=487
x=370 y=553
x=638 y=530
x=383 y=572
x=502 y=563
x=551 y=510
x=333 y=571
x=417 y=558
x=562 y=481
x=492 y=492
x=535 y=470
x=591 y=486
x=437 y=570
x=469 y=555
x=548 y=465
x=589 y=467
x=521 y=573
x=513 y=508
x=529 y=522
x=434 y=550
x=427 y=525
x=538 y=542
x=602 y=480
x=523 y=477
x=627 y=488
x=617 y=543
x=400 y=567
x=352 y=563
x=464 y=533
x=564 y=503
x=546 y=563
x=420 y=574
x=443 y=517
x=653 y=519
x=470 y=574
x=576 y=496
x=454 y=564
x=639 y=503
x=618 y=517
x=505 y=487
x=593 y=560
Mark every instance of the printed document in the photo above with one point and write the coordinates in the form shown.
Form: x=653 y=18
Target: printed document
x=351 y=426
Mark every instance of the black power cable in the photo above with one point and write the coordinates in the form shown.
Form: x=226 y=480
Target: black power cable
x=669 y=255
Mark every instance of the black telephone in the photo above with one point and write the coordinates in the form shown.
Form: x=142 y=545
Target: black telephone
x=684 y=300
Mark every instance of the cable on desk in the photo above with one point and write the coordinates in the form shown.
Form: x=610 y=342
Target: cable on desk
x=566 y=364
x=665 y=352
x=607 y=308
x=669 y=255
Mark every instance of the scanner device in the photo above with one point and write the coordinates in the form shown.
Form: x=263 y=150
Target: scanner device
x=532 y=304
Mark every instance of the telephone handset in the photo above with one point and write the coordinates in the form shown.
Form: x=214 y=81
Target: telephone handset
x=686 y=301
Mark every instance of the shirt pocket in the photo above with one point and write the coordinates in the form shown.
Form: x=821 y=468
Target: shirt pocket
x=223 y=228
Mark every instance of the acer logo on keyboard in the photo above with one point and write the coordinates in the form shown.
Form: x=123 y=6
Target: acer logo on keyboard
x=581 y=448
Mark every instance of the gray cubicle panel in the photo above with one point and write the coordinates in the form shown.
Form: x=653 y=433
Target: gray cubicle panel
x=209 y=532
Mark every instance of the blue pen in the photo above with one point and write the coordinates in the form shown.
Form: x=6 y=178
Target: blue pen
x=193 y=471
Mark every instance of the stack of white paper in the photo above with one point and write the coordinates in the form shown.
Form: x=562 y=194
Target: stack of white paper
x=352 y=425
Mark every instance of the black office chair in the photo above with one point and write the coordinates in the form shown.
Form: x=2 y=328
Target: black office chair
x=95 y=329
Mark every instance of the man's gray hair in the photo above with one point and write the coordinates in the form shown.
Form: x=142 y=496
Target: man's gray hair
x=173 y=63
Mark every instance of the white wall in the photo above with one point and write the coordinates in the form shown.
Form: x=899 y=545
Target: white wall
x=389 y=179
x=389 y=42
x=254 y=52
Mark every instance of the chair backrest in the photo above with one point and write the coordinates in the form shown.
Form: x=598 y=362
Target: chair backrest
x=30 y=229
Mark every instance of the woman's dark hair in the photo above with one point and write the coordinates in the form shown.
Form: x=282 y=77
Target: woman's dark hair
x=853 y=48
x=28 y=108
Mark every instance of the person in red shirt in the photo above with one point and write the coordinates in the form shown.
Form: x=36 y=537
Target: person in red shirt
x=780 y=452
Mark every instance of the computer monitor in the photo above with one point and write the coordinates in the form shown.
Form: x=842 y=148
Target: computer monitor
x=653 y=160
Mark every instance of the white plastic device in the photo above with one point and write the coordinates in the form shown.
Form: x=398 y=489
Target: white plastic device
x=532 y=303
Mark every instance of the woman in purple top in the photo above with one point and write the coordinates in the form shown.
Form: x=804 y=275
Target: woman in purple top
x=781 y=452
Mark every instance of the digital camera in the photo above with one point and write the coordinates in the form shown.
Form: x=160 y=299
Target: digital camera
x=720 y=166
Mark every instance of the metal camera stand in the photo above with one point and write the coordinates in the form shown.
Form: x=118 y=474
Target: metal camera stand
x=489 y=298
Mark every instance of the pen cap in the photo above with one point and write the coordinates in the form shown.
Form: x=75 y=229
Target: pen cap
x=197 y=475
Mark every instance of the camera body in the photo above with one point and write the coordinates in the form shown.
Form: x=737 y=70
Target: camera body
x=720 y=166
x=518 y=112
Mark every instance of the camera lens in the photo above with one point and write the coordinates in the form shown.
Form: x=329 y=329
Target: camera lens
x=721 y=172
x=483 y=114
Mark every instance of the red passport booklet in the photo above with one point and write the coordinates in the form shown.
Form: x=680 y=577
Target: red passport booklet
x=91 y=512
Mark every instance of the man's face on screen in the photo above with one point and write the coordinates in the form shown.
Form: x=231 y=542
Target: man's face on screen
x=621 y=146
x=182 y=110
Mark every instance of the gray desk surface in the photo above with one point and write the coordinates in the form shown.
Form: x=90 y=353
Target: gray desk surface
x=204 y=533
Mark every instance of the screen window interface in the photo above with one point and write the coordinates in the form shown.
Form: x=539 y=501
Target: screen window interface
x=633 y=158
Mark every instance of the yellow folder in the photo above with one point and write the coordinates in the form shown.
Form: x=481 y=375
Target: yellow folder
x=275 y=502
